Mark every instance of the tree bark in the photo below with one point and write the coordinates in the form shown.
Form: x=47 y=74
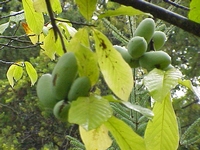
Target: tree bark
x=163 y=14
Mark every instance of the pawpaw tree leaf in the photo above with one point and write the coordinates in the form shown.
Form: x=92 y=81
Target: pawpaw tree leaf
x=122 y=10
x=34 y=19
x=3 y=27
x=34 y=38
x=188 y=84
x=86 y=7
x=18 y=72
x=194 y=13
x=31 y=72
x=90 y=112
x=95 y=139
x=87 y=60
x=17 y=16
x=125 y=137
x=117 y=73
x=162 y=131
x=159 y=83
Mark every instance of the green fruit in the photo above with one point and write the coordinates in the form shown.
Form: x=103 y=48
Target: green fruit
x=61 y=110
x=159 y=38
x=44 y=91
x=145 y=29
x=155 y=59
x=64 y=74
x=80 y=88
x=137 y=46
x=168 y=67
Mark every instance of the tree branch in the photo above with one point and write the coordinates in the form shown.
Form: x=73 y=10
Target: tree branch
x=164 y=14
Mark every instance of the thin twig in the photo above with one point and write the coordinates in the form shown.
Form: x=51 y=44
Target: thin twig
x=176 y=5
x=8 y=16
x=20 y=47
x=4 y=2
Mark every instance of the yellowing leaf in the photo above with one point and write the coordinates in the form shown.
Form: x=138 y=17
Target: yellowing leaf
x=15 y=71
x=117 y=73
x=159 y=83
x=162 y=131
x=34 y=19
x=97 y=139
x=125 y=137
x=31 y=72
x=87 y=60
x=87 y=7
x=123 y=10
x=34 y=38
x=90 y=112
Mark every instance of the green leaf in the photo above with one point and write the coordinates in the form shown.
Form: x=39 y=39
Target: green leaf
x=125 y=137
x=87 y=60
x=3 y=27
x=34 y=19
x=123 y=10
x=31 y=72
x=159 y=83
x=90 y=112
x=146 y=112
x=16 y=16
x=162 y=131
x=86 y=7
x=97 y=139
x=117 y=73
x=194 y=13
x=188 y=84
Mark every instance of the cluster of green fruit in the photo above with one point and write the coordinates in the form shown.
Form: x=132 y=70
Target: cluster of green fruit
x=57 y=90
x=139 y=50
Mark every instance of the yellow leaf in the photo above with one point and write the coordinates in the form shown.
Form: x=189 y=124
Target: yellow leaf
x=31 y=72
x=96 y=139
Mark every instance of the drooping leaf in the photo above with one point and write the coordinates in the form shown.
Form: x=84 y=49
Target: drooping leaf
x=90 y=112
x=34 y=38
x=125 y=137
x=162 y=131
x=3 y=27
x=146 y=112
x=188 y=84
x=87 y=60
x=96 y=139
x=17 y=16
x=159 y=83
x=87 y=7
x=15 y=71
x=31 y=72
x=116 y=72
x=34 y=19
x=194 y=13
x=122 y=10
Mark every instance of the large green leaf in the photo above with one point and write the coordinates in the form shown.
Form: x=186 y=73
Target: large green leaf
x=34 y=19
x=194 y=13
x=96 y=139
x=87 y=7
x=90 y=112
x=125 y=137
x=159 y=83
x=162 y=131
x=122 y=10
x=117 y=73
x=32 y=73
x=87 y=60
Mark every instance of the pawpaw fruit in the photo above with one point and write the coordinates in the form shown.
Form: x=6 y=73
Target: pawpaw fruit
x=159 y=38
x=137 y=46
x=145 y=29
x=155 y=59
x=80 y=88
x=61 y=110
x=44 y=91
x=64 y=74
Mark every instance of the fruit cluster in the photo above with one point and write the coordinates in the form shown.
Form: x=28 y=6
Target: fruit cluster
x=144 y=48
x=57 y=90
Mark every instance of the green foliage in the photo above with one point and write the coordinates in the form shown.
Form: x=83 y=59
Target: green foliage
x=194 y=11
